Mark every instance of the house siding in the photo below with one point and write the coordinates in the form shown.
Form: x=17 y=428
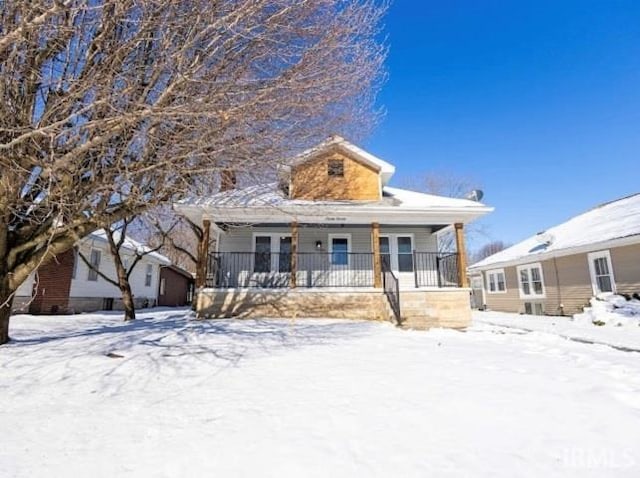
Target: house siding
x=82 y=288
x=310 y=180
x=567 y=281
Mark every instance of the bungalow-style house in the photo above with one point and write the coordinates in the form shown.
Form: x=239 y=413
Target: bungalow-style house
x=66 y=284
x=557 y=271
x=333 y=240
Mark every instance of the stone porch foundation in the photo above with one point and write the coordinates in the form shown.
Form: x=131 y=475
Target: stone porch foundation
x=421 y=309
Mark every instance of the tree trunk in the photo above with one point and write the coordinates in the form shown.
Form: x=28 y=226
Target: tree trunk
x=127 y=301
x=6 y=301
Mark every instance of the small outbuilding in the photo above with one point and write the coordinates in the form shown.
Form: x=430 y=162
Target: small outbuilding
x=176 y=286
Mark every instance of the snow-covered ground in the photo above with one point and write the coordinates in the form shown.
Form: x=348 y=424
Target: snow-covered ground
x=580 y=328
x=310 y=398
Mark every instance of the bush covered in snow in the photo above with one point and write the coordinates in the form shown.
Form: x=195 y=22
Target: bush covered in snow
x=611 y=309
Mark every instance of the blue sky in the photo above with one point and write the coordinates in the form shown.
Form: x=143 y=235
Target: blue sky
x=538 y=102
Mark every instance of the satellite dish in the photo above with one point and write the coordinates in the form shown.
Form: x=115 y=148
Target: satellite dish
x=475 y=195
x=544 y=238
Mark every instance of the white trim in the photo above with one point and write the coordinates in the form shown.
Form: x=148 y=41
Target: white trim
x=330 y=238
x=532 y=294
x=275 y=248
x=592 y=271
x=488 y=281
x=393 y=249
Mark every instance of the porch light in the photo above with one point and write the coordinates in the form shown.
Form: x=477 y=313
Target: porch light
x=318 y=245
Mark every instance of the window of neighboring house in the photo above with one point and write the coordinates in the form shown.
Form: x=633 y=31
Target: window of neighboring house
x=602 y=279
x=495 y=281
x=148 y=275
x=533 y=308
x=75 y=263
x=163 y=285
x=339 y=250
x=531 y=280
x=94 y=260
x=335 y=168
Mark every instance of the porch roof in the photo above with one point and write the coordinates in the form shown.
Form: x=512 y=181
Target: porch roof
x=267 y=203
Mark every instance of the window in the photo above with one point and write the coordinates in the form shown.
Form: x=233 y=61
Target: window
x=148 y=275
x=339 y=250
x=405 y=254
x=163 y=285
x=385 y=252
x=531 y=280
x=75 y=263
x=601 y=272
x=262 y=254
x=533 y=308
x=335 y=168
x=284 y=258
x=495 y=281
x=94 y=260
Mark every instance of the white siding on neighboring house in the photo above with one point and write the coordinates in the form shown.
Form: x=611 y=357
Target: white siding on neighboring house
x=24 y=290
x=82 y=287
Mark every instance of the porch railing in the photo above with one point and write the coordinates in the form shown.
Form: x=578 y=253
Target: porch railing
x=436 y=269
x=327 y=269
x=273 y=270
x=391 y=287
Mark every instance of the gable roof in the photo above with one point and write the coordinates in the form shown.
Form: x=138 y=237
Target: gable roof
x=130 y=245
x=610 y=221
x=385 y=169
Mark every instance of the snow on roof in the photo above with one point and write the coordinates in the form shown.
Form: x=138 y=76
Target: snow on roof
x=386 y=169
x=132 y=245
x=271 y=195
x=613 y=220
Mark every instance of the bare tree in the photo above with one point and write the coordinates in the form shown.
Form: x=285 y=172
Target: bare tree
x=109 y=107
x=488 y=250
x=450 y=185
x=121 y=246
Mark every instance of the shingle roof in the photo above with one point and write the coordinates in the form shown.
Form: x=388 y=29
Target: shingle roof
x=613 y=220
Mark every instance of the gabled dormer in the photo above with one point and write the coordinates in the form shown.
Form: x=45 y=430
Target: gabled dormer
x=338 y=170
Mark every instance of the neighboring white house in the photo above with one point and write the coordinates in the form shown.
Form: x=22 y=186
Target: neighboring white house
x=67 y=284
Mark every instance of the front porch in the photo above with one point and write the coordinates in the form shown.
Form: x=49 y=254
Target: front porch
x=342 y=271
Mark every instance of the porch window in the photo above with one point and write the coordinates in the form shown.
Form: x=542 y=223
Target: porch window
x=601 y=272
x=339 y=251
x=531 y=280
x=284 y=258
x=385 y=252
x=262 y=255
x=496 y=282
x=405 y=254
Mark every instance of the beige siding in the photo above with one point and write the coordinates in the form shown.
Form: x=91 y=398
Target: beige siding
x=310 y=180
x=569 y=289
x=626 y=268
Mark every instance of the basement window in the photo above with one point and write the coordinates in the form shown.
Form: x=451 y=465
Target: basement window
x=335 y=168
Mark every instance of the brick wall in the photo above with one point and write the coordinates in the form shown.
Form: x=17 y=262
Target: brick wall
x=53 y=282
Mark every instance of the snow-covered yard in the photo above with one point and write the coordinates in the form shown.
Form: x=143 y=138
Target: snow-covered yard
x=310 y=398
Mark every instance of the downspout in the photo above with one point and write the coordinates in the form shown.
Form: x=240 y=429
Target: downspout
x=560 y=304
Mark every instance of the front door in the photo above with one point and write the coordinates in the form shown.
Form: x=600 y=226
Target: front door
x=396 y=251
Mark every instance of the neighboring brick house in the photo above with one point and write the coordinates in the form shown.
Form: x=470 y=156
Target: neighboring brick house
x=557 y=271
x=176 y=287
x=66 y=284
